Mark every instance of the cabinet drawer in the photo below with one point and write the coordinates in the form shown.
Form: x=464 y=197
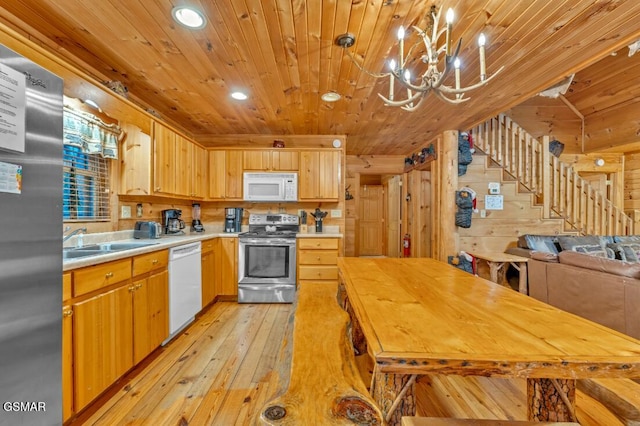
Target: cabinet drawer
x=148 y=262
x=207 y=245
x=317 y=257
x=319 y=272
x=318 y=243
x=92 y=278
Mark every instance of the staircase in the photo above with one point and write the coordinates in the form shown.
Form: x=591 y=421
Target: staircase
x=559 y=189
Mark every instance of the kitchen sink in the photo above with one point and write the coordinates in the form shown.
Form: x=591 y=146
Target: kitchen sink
x=103 y=248
x=78 y=253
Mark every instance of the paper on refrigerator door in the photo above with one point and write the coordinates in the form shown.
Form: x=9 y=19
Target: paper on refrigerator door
x=12 y=109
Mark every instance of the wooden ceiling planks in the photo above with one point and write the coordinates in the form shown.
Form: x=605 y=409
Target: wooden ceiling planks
x=283 y=52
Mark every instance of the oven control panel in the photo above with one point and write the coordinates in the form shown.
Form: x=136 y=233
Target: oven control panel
x=273 y=219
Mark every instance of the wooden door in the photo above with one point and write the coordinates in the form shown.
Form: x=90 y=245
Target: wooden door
x=164 y=148
x=393 y=203
x=150 y=314
x=257 y=160
x=319 y=176
x=199 y=161
x=67 y=362
x=234 y=170
x=329 y=171
x=371 y=233
x=217 y=174
x=183 y=166
x=102 y=343
x=208 y=266
x=284 y=160
x=228 y=265
x=309 y=177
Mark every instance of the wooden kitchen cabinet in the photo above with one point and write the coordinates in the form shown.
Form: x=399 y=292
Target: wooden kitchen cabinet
x=102 y=343
x=319 y=176
x=225 y=174
x=200 y=166
x=276 y=159
x=183 y=167
x=318 y=259
x=67 y=362
x=119 y=314
x=208 y=264
x=227 y=264
x=67 y=348
x=164 y=160
x=150 y=303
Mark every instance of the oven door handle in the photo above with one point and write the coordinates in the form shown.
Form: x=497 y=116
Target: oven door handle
x=268 y=241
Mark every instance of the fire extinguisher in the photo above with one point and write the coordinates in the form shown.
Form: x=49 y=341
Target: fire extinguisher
x=406 y=245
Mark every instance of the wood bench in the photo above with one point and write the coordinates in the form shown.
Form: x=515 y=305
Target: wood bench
x=620 y=396
x=318 y=368
x=441 y=421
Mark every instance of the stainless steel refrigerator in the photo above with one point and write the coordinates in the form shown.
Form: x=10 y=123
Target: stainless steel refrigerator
x=30 y=242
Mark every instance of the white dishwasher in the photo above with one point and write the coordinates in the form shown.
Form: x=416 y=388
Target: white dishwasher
x=185 y=286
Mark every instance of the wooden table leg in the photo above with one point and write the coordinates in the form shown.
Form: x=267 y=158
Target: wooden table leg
x=394 y=394
x=551 y=400
x=496 y=272
x=522 y=278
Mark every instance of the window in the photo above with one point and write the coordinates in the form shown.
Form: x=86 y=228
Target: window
x=85 y=186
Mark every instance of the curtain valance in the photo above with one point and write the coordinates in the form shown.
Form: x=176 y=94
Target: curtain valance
x=90 y=134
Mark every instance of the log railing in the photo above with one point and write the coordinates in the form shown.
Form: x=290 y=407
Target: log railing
x=556 y=185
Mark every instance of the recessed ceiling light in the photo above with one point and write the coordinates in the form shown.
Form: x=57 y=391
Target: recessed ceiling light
x=239 y=96
x=189 y=17
x=331 y=97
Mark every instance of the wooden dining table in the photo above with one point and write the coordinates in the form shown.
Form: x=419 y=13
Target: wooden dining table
x=420 y=316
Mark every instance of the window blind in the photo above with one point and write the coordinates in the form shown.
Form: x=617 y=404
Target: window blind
x=85 y=186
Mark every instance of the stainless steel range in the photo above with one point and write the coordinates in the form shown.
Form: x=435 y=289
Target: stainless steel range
x=267 y=259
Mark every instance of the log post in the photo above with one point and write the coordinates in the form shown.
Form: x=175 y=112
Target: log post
x=394 y=394
x=551 y=400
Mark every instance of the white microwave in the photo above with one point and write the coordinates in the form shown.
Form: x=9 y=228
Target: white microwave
x=270 y=186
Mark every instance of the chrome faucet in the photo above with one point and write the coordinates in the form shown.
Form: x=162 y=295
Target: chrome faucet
x=74 y=232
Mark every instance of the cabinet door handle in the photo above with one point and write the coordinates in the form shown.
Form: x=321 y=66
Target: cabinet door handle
x=67 y=313
x=131 y=288
x=154 y=261
x=138 y=286
x=109 y=275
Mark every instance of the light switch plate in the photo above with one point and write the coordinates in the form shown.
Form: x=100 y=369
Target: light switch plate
x=125 y=212
x=336 y=213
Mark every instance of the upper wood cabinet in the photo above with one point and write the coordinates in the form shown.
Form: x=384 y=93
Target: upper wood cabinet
x=271 y=160
x=179 y=164
x=164 y=160
x=319 y=177
x=225 y=174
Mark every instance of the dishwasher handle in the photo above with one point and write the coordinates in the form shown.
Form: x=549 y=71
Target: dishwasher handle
x=185 y=250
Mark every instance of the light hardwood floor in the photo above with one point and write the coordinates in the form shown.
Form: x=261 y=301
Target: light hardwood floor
x=221 y=371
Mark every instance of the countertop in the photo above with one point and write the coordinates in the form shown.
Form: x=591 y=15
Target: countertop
x=164 y=242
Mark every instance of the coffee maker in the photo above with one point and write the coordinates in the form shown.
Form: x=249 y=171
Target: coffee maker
x=233 y=219
x=171 y=222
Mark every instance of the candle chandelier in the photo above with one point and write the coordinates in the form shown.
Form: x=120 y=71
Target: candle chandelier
x=439 y=60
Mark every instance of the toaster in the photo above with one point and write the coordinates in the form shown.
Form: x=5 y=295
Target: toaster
x=147 y=230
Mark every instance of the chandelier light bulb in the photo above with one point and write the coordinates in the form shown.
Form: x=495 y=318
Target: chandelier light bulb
x=401 y=33
x=450 y=16
x=482 y=40
x=456 y=63
x=392 y=65
x=407 y=75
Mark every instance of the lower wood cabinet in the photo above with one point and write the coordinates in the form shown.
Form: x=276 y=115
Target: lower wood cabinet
x=227 y=258
x=208 y=266
x=318 y=259
x=109 y=326
x=102 y=341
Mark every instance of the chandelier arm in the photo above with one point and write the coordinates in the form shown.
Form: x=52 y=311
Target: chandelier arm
x=422 y=88
x=362 y=68
x=451 y=90
x=407 y=101
x=449 y=100
x=415 y=106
